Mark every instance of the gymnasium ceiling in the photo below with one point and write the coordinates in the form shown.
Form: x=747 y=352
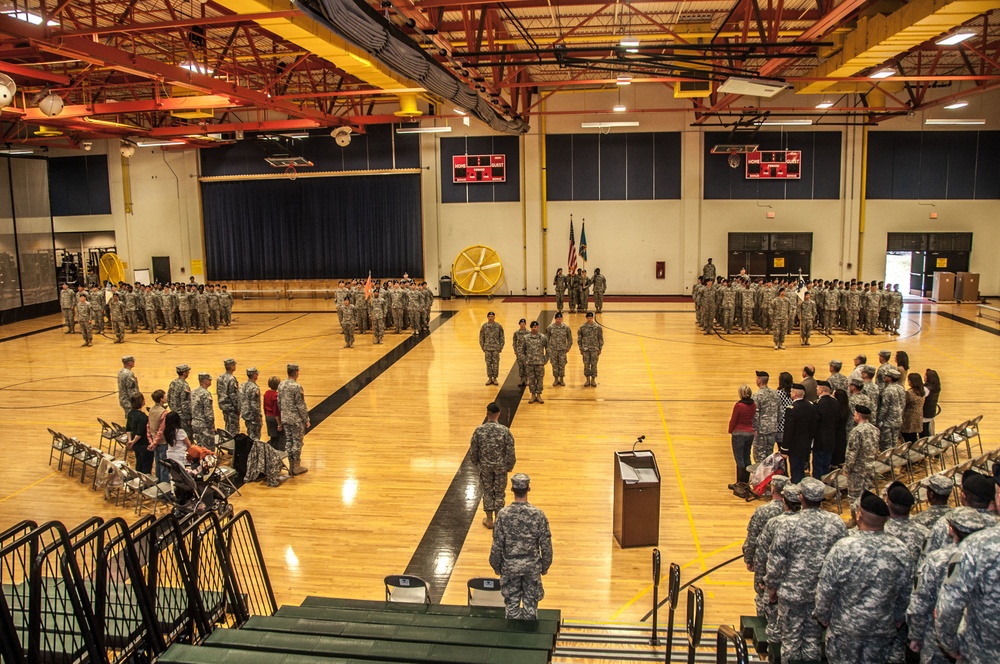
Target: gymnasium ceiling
x=200 y=72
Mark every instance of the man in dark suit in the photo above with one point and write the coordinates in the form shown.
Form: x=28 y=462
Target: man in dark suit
x=800 y=427
x=825 y=439
x=809 y=383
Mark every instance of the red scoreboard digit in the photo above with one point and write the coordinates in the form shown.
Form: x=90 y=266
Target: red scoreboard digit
x=479 y=168
x=774 y=165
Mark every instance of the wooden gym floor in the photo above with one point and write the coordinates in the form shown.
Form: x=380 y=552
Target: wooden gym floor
x=387 y=490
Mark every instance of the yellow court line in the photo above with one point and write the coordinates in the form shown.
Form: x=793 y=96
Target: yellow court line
x=22 y=490
x=959 y=360
x=294 y=350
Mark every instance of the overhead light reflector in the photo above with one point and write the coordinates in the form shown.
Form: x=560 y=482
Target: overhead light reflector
x=619 y=108
x=753 y=87
x=956 y=105
x=423 y=130
x=606 y=125
x=955 y=38
x=884 y=72
x=630 y=42
x=825 y=104
x=790 y=122
x=624 y=80
x=954 y=121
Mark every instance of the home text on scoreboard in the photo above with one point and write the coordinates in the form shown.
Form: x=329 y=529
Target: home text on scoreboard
x=471 y=168
x=774 y=165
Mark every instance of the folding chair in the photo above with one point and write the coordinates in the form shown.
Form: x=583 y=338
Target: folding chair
x=935 y=447
x=484 y=591
x=900 y=457
x=78 y=455
x=406 y=588
x=60 y=444
x=146 y=487
x=120 y=440
x=963 y=434
x=972 y=431
x=225 y=442
x=226 y=475
x=836 y=483
x=108 y=433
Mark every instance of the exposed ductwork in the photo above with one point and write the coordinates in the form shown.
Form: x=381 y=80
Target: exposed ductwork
x=359 y=24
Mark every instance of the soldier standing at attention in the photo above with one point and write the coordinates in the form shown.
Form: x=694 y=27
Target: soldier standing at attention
x=66 y=304
x=779 y=319
x=590 y=339
x=201 y=305
x=169 y=300
x=807 y=316
x=708 y=307
x=491 y=341
x=728 y=305
x=202 y=413
x=377 y=315
x=535 y=356
x=184 y=309
x=118 y=318
x=522 y=552
x=347 y=311
x=294 y=418
x=864 y=590
x=131 y=302
x=837 y=380
x=492 y=452
x=250 y=404
x=213 y=306
x=396 y=298
x=573 y=283
x=227 y=388
x=150 y=307
x=560 y=284
x=560 y=341
x=895 y=309
x=128 y=384
x=765 y=418
x=978 y=492
x=413 y=303
x=226 y=302
x=600 y=288
x=872 y=307
x=518 y=345
x=583 y=300
x=967 y=616
x=179 y=397
x=425 y=310
x=859 y=460
x=793 y=569
x=883 y=365
x=708 y=272
x=900 y=525
x=939 y=490
x=759 y=519
x=791 y=497
x=890 y=412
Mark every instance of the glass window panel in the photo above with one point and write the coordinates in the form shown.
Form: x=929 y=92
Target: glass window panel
x=29 y=181
x=10 y=296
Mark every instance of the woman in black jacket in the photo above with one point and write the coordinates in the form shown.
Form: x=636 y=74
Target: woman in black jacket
x=932 y=390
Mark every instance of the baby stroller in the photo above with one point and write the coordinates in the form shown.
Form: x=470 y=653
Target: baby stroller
x=195 y=494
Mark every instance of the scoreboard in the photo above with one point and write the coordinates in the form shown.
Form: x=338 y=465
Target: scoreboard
x=774 y=165
x=479 y=168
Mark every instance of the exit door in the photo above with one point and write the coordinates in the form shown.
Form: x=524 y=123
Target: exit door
x=161 y=269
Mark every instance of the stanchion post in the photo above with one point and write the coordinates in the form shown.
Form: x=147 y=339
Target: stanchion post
x=695 y=618
x=673 y=592
x=656 y=594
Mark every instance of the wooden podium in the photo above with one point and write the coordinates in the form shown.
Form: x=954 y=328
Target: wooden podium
x=637 y=499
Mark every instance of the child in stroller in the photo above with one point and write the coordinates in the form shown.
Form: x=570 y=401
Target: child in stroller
x=197 y=485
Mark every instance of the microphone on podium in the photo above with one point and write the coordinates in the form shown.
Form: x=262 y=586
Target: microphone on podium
x=637 y=441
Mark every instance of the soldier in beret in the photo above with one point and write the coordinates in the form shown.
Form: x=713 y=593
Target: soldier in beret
x=590 y=339
x=560 y=341
x=522 y=552
x=518 y=345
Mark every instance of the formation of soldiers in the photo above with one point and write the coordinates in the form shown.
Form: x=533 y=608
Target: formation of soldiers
x=927 y=583
x=578 y=285
x=399 y=303
x=533 y=349
x=129 y=307
x=777 y=306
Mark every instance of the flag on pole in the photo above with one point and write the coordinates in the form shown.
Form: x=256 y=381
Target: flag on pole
x=583 y=240
x=368 y=286
x=571 y=259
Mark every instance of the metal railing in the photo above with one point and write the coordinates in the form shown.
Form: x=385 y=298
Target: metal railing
x=695 y=619
x=254 y=593
x=725 y=636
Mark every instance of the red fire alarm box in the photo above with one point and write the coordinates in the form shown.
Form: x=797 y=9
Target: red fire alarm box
x=661 y=269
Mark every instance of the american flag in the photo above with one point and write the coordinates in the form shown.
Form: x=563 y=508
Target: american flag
x=571 y=260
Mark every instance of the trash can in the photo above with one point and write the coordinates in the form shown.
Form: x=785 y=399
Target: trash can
x=444 y=288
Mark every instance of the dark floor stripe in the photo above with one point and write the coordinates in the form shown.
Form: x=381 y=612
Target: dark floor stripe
x=435 y=556
x=332 y=403
x=970 y=323
x=28 y=334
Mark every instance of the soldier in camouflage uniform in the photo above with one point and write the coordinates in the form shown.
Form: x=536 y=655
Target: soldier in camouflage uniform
x=759 y=519
x=97 y=302
x=227 y=389
x=857 y=397
x=66 y=301
x=590 y=339
x=765 y=418
x=169 y=304
x=837 y=380
x=128 y=384
x=967 y=615
x=536 y=355
x=492 y=452
x=377 y=308
x=118 y=318
x=859 y=459
x=963 y=521
x=779 y=319
x=895 y=309
x=584 y=297
x=184 y=309
x=294 y=418
x=708 y=301
x=977 y=493
x=131 y=309
x=560 y=341
x=425 y=309
x=807 y=317
x=226 y=304
x=214 y=308
x=890 y=412
x=202 y=413
x=863 y=590
x=150 y=308
x=870 y=390
x=791 y=497
x=600 y=288
x=518 y=345
x=201 y=305
x=793 y=569
x=491 y=341
x=522 y=552
x=728 y=306
x=413 y=308
x=573 y=284
x=884 y=365
x=347 y=318
x=396 y=299
x=852 y=304
x=830 y=305
x=560 y=285
x=939 y=489
x=871 y=309
x=179 y=397
x=250 y=409
x=900 y=501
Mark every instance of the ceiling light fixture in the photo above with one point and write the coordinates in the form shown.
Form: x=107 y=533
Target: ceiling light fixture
x=423 y=130
x=624 y=80
x=825 y=104
x=606 y=125
x=460 y=111
x=955 y=38
x=619 y=108
x=790 y=122
x=954 y=121
x=884 y=72
x=157 y=144
x=629 y=42
x=956 y=105
x=112 y=123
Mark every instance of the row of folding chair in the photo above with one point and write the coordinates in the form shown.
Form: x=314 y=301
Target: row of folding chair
x=77 y=455
x=410 y=589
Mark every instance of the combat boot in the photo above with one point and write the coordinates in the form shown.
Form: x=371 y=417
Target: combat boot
x=488 y=521
x=555 y=383
x=538 y=398
x=297 y=468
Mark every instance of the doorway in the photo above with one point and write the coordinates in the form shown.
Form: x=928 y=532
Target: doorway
x=898 y=269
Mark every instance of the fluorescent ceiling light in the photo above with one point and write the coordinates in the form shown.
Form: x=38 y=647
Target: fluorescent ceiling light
x=954 y=121
x=955 y=38
x=17 y=151
x=630 y=42
x=884 y=72
x=299 y=136
x=605 y=125
x=28 y=17
x=624 y=80
x=112 y=123
x=196 y=68
x=956 y=105
x=631 y=50
x=754 y=87
x=423 y=130
x=157 y=144
x=460 y=111
x=619 y=108
x=825 y=104
x=790 y=122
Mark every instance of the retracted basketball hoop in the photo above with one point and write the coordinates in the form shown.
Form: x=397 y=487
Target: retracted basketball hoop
x=290 y=164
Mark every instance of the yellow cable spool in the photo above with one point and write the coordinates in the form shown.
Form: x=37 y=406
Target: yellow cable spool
x=111 y=268
x=477 y=270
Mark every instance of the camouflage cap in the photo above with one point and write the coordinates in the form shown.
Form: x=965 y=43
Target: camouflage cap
x=792 y=493
x=181 y=368
x=858 y=383
x=779 y=481
x=228 y=361
x=868 y=369
x=967 y=519
x=204 y=376
x=939 y=484
x=292 y=368
x=251 y=371
x=127 y=358
x=836 y=364
x=520 y=481
x=812 y=489
x=893 y=373
x=885 y=353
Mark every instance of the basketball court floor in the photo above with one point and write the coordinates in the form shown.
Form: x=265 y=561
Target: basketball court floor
x=388 y=489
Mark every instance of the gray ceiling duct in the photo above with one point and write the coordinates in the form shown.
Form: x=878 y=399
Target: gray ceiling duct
x=361 y=25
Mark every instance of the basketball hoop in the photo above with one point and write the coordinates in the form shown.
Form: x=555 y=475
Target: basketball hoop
x=734 y=160
x=291 y=173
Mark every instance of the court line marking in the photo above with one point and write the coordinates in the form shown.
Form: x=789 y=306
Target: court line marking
x=23 y=489
x=960 y=360
x=673 y=456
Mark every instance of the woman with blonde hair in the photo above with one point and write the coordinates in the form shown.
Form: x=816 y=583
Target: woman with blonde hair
x=741 y=428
